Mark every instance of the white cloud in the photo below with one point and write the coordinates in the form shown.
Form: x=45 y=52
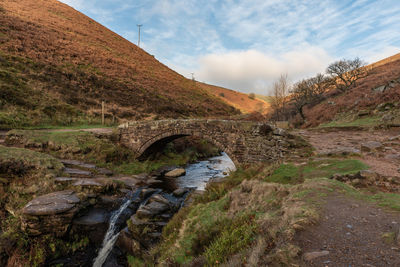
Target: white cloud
x=384 y=53
x=245 y=45
x=254 y=71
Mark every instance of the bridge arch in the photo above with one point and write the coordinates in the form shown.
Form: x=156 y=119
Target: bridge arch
x=243 y=141
x=169 y=136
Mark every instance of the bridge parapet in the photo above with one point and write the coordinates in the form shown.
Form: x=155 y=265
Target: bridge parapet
x=244 y=141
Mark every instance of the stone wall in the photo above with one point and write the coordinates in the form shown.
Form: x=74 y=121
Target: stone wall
x=244 y=141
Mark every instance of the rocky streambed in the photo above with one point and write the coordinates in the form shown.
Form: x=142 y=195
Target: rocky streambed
x=117 y=214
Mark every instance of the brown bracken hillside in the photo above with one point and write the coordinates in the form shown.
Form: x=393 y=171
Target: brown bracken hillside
x=57 y=64
x=241 y=101
x=381 y=86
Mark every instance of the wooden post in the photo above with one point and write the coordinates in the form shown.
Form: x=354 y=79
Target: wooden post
x=102 y=112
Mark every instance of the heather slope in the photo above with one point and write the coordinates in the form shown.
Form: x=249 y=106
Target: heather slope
x=68 y=63
x=243 y=102
x=376 y=95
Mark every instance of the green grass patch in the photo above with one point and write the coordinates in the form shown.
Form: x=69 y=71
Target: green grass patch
x=387 y=200
x=79 y=145
x=360 y=122
x=135 y=262
x=215 y=191
x=291 y=174
x=285 y=174
x=208 y=231
x=202 y=224
x=20 y=160
x=75 y=126
x=239 y=235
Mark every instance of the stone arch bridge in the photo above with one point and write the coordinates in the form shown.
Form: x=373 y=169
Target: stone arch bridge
x=244 y=141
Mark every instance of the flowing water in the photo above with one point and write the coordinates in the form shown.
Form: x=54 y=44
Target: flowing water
x=198 y=174
x=112 y=233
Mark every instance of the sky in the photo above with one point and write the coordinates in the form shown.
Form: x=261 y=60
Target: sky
x=246 y=45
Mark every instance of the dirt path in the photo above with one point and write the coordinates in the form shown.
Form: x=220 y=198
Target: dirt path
x=350 y=233
x=104 y=131
x=384 y=160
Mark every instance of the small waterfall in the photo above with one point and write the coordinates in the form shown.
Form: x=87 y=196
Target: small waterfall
x=111 y=236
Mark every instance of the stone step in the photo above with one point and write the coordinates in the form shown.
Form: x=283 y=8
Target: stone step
x=65 y=180
x=77 y=163
x=77 y=172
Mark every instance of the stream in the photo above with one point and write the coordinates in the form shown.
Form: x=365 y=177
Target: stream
x=198 y=174
x=111 y=235
x=109 y=254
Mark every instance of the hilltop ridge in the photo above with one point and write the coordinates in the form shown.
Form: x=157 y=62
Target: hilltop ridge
x=56 y=62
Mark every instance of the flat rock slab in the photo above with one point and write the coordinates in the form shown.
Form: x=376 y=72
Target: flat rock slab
x=53 y=203
x=370 y=146
x=78 y=163
x=342 y=151
x=87 y=183
x=141 y=176
x=104 y=171
x=176 y=172
x=159 y=198
x=152 y=209
x=153 y=182
x=316 y=254
x=180 y=192
x=93 y=217
x=127 y=181
x=65 y=179
x=78 y=172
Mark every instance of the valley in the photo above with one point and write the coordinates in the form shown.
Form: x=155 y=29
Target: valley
x=108 y=157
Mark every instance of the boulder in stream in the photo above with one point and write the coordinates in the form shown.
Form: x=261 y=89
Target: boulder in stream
x=175 y=173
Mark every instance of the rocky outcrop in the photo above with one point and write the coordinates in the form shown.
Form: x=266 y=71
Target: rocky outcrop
x=388 y=85
x=51 y=213
x=145 y=227
x=371 y=146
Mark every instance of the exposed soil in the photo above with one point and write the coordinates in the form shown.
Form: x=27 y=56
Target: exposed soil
x=352 y=232
x=385 y=161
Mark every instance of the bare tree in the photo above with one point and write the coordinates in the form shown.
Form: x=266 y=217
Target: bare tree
x=309 y=91
x=280 y=90
x=345 y=73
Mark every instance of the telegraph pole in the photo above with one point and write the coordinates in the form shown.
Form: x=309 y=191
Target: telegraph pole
x=102 y=112
x=139 y=25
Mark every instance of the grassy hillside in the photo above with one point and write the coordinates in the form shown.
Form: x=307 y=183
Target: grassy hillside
x=56 y=65
x=364 y=100
x=243 y=102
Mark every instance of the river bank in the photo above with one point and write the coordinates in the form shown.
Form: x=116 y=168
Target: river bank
x=258 y=215
x=97 y=192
